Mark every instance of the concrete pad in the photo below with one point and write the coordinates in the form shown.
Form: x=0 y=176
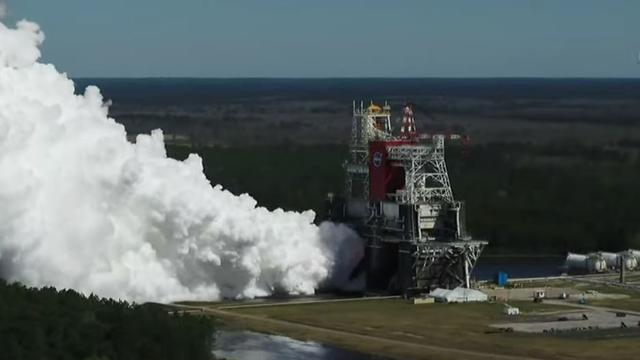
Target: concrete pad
x=575 y=321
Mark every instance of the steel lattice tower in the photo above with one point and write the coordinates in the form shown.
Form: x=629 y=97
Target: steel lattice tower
x=398 y=197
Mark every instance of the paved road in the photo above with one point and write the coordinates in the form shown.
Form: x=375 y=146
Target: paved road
x=430 y=350
x=591 y=307
x=573 y=322
x=305 y=302
x=610 y=279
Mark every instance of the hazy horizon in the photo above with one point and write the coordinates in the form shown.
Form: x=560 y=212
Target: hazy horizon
x=359 y=77
x=338 y=39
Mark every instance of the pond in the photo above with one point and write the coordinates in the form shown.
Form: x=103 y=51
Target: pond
x=249 y=345
x=517 y=267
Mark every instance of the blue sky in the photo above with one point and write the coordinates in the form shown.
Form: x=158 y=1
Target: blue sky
x=338 y=38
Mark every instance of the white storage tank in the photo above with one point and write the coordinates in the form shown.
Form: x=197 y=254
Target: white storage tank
x=630 y=261
x=576 y=261
x=596 y=264
x=611 y=259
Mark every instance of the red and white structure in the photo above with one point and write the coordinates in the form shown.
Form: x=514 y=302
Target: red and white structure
x=408 y=127
x=399 y=199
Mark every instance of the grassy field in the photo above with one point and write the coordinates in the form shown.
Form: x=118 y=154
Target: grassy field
x=632 y=304
x=458 y=326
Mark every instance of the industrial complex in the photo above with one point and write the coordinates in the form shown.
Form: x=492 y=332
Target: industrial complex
x=418 y=256
x=602 y=261
x=399 y=199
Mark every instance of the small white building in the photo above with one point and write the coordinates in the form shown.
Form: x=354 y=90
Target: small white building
x=423 y=300
x=510 y=310
x=458 y=295
x=539 y=294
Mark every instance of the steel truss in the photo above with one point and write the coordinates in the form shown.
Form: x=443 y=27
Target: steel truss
x=444 y=264
x=364 y=130
x=445 y=257
x=426 y=176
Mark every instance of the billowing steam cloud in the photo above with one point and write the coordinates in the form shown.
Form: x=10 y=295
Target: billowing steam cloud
x=82 y=208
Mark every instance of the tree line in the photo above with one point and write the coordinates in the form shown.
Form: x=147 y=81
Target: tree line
x=47 y=323
x=520 y=197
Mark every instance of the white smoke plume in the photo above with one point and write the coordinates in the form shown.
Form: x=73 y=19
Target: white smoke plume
x=83 y=208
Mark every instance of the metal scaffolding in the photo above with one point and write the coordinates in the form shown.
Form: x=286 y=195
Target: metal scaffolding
x=445 y=264
x=415 y=235
x=426 y=177
x=368 y=124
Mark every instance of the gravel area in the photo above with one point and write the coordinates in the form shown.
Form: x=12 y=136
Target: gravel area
x=571 y=321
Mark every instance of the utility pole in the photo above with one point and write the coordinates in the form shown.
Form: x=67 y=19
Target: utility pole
x=621 y=260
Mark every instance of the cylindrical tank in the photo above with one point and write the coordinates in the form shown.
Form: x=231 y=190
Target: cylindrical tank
x=596 y=264
x=576 y=261
x=611 y=259
x=630 y=261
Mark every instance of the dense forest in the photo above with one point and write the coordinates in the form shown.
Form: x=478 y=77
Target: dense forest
x=63 y=324
x=521 y=197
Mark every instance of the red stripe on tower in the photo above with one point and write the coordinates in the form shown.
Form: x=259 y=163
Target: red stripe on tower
x=408 y=128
